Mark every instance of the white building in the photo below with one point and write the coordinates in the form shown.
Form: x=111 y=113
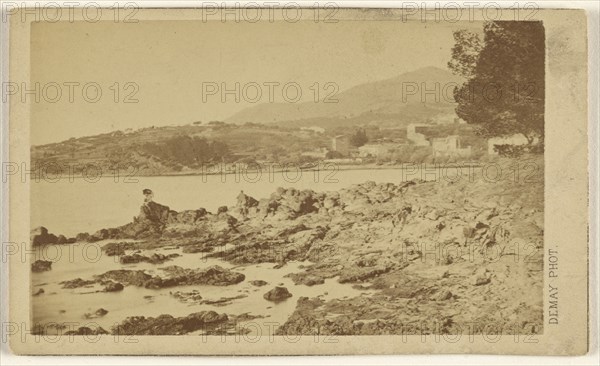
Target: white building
x=449 y=146
x=413 y=135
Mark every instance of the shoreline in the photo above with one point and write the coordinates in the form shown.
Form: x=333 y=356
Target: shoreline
x=325 y=167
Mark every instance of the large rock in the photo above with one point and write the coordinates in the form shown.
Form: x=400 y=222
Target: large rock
x=40 y=236
x=117 y=249
x=82 y=237
x=103 y=234
x=126 y=277
x=87 y=331
x=111 y=286
x=76 y=283
x=188 y=217
x=215 y=276
x=97 y=314
x=169 y=325
x=306 y=278
x=41 y=266
x=154 y=212
x=277 y=294
x=156 y=258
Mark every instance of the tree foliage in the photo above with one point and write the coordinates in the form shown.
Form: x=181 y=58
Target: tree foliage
x=187 y=150
x=504 y=91
x=359 y=138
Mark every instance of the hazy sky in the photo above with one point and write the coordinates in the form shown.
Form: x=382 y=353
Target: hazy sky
x=169 y=61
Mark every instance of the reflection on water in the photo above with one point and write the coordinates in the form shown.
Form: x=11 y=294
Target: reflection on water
x=59 y=305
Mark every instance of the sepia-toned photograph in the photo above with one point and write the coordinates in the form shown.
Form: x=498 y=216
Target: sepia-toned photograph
x=290 y=172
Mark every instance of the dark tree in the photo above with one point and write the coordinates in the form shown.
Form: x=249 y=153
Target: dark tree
x=504 y=91
x=359 y=138
x=188 y=151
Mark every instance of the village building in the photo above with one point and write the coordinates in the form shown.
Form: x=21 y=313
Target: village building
x=449 y=146
x=341 y=144
x=413 y=133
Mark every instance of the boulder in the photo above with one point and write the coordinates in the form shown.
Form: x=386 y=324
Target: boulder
x=41 y=266
x=97 y=314
x=154 y=212
x=125 y=277
x=87 y=331
x=313 y=280
x=111 y=286
x=114 y=249
x=40 y=236
x=188 y=217
x=305 y=278
x=155 y=258
x=76 y=283
x=169 y=325
x=277 y=294
x=82 y=237
x=215 y=276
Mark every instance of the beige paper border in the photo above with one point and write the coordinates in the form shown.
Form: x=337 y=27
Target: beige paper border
x=566 y=220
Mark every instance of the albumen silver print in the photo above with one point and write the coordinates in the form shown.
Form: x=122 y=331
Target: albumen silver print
x=293 y=180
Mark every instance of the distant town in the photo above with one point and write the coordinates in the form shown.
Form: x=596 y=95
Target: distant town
x=188 y=149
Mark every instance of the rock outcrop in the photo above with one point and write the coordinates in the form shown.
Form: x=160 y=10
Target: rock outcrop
x=41 y=266
x=155 y=258
x=77 y=283
x=434 y=252
x=41 y=236
x=277 y=294
x=176 y=276
x=169 y=325
x=115 y=280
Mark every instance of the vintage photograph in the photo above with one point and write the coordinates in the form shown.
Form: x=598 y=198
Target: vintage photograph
x=396 y=190
x=324 y=173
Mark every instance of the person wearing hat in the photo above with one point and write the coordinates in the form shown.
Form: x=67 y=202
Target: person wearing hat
x=148 y=196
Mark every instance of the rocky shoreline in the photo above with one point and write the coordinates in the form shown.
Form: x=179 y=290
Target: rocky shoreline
x=438 y=256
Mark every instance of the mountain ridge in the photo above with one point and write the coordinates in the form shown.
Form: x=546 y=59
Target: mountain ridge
x=426 y=88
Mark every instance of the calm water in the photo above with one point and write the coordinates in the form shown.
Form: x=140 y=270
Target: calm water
x=59 y=305
x=70 y=207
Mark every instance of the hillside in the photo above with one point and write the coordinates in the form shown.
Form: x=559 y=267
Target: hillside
x=272 y=132
x=377 y=101
x=177 y=149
